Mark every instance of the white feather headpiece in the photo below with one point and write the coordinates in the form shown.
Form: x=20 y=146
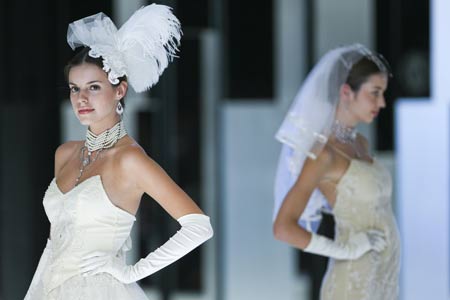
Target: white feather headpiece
x=141 y=49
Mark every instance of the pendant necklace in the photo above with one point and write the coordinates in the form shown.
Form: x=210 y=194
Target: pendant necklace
x=105 y=140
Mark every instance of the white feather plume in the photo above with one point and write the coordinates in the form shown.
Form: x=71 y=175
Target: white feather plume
x=141 y=49
x=149 y=40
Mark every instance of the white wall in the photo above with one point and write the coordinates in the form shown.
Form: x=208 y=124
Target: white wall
x=256 y=266
x=423 y=151
x=423 y=197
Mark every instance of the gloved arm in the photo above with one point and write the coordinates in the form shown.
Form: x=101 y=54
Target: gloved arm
x=357 y=245
x=195 y=229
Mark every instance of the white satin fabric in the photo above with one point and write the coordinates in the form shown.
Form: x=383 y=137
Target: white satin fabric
x=83 y=221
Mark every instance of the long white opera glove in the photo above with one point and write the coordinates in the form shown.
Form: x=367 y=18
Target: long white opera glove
x=357 y=245
x=195 y=229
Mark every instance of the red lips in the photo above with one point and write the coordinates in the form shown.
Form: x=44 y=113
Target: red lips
x=84 y=111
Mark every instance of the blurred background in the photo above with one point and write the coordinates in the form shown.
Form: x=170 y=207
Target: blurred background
x=210 y=122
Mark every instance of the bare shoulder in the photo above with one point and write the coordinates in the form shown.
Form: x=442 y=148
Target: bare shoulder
x=321 y=165
x=64 y=152
x=325 y=158
x=68 y=147
x=132 y=157
x=138 y=170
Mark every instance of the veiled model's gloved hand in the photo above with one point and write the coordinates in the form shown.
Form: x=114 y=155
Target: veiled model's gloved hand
x=357 y=245
x=195 y=229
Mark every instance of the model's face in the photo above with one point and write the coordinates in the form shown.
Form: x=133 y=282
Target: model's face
x=366 y=103
x=93 y=98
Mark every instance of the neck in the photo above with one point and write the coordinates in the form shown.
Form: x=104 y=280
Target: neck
x=344 y=134
x=345 y=118
x=100 y=127
x=105 y=139
x=345 y=123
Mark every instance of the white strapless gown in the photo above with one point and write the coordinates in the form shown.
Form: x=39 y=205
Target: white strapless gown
x=83 y=220
x=364 y=202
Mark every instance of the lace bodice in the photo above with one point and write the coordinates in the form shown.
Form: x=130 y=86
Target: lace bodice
x=363 y=197
x=83 y=220
x=364 y=202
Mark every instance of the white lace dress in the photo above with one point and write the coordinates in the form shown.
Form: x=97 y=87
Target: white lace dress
x=82 y=220
x=364 y=202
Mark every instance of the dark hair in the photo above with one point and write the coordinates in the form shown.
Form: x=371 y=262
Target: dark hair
x=82 y=57
x=363 y=69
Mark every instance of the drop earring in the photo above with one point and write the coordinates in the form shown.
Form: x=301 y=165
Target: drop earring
x=119 y=108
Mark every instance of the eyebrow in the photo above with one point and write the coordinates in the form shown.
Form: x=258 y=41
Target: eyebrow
x=90 y=82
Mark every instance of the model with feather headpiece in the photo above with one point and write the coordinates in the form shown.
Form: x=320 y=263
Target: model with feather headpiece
x=92 y=201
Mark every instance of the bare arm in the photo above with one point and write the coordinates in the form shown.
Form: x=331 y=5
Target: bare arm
x=285 y=226
x=287 y=229
x=150 y=178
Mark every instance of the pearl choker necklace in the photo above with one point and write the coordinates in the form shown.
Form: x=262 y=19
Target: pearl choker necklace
x=104 y=140
x=344 y=134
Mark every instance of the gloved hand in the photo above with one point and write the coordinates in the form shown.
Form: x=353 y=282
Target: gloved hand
x=195 y=229
x=357 y=245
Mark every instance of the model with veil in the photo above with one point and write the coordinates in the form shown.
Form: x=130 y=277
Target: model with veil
x=98 y=183
x=325 y=165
